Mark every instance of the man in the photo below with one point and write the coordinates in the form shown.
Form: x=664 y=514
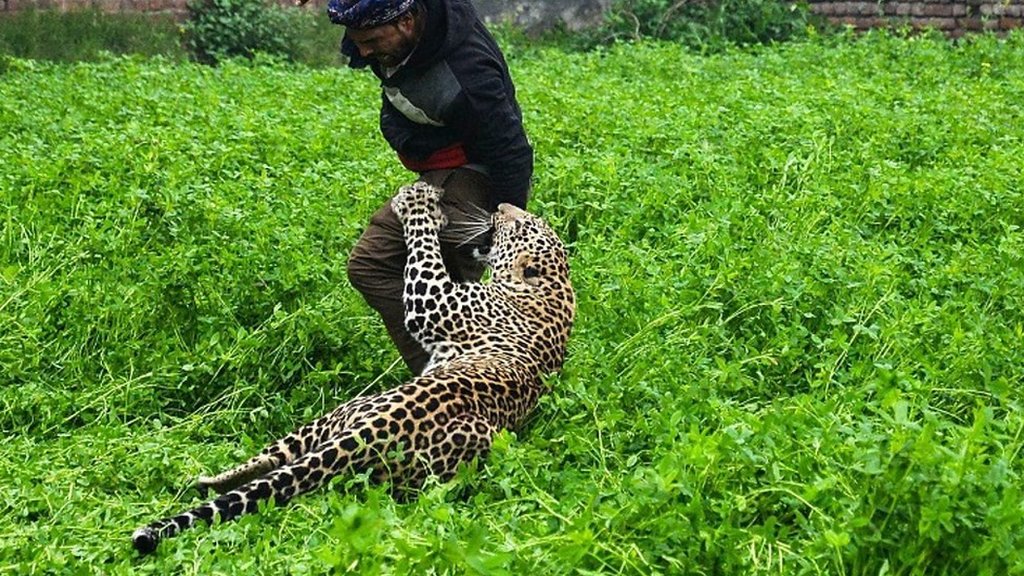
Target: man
x=449 y=110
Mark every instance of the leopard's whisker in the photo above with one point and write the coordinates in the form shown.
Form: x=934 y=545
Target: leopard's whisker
x=472 y=238
x=479 y=212
x=464 y=232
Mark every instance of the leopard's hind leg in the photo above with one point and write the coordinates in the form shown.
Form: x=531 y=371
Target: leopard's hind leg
x=465 y=437
x=361 y=448
x=351 y=451
x=302 y=441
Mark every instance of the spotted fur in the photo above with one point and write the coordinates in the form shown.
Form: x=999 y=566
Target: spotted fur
x=490 y=344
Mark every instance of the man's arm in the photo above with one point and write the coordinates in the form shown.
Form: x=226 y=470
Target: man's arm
x=492 y=129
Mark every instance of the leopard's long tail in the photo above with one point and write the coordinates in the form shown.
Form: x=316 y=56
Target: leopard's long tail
x=352 y=451
x=389 y=452
x=306 y=439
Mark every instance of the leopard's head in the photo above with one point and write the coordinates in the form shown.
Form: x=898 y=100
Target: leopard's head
x=526 y=255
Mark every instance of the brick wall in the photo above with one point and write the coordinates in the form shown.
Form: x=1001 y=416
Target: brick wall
x=954 y=17
x=176 y=7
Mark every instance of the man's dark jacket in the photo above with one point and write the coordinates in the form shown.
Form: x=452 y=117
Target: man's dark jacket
x=452 y=103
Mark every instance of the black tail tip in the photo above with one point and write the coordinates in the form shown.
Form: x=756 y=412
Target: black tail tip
x=144 y=540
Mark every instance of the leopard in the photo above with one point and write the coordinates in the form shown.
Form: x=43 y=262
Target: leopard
x=492 y=345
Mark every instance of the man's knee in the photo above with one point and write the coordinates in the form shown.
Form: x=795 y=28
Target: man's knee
x=377 y=261
x=360 y=269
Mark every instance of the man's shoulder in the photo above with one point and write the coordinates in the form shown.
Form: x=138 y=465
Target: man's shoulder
x=476 y=59
x=466 y=43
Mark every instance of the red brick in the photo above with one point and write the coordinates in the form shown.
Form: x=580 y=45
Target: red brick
x=939 y=10
x=1007 y=23
x=970 y=24
x=109 y=6
x=991 y=9
x=823 y=9
x=865 y=8
x=846 y=8
x=938 y=23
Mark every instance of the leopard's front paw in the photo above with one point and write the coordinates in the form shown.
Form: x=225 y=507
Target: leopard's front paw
x=419 y=199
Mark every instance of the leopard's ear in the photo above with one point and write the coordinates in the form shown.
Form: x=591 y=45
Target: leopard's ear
x=525 y=270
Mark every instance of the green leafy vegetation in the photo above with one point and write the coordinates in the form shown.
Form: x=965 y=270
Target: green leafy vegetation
x=87 y=35
x=798 y=346
x=219 y=29
x=706 y=26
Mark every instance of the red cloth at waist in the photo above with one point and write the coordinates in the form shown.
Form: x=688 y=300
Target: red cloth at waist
x=451 y=157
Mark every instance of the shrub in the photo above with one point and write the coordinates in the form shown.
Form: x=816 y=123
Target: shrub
x=219 y=29
x=708 y=25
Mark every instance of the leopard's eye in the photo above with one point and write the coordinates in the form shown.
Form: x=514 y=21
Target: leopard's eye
x=530 y=272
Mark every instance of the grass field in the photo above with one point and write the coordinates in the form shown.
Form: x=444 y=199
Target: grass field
x=799 y=339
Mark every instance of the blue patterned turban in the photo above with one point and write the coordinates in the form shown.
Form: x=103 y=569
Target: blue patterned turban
x=366 y=13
